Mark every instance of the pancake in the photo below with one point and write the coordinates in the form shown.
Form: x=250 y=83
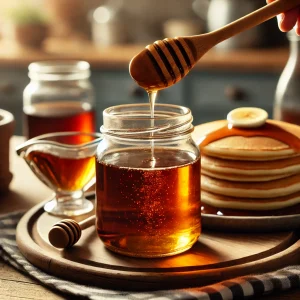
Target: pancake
x=246 y=148
x=220 y=201
x=243 y=148
x=269 y=189
x=249 y=172
x=243 y=177
x=284 y=167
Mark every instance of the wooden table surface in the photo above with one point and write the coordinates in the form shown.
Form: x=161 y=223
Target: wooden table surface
x=26 y=191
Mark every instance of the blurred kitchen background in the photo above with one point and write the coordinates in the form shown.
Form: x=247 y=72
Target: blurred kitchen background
x=242 y=71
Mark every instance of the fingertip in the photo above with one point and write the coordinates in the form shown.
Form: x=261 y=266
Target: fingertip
x=288 y=20
x=280 y=19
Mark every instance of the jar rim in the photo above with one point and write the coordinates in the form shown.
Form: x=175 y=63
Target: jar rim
x=59 y=70
x=108 y=111
x=134 y=121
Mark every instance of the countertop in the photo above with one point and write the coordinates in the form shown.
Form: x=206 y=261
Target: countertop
x=119 y=56
x=13 y=284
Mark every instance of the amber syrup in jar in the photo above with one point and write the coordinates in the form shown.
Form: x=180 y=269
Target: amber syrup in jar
x=58 y=98
x=144 y=210
x=58 y=117
x=148 y=181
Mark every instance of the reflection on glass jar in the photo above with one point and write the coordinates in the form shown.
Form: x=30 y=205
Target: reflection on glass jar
x=58 y=98
x=148 y=181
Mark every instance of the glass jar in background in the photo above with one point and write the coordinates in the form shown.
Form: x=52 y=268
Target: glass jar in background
x=287 y=96
x=58 y=98
x=148 y=181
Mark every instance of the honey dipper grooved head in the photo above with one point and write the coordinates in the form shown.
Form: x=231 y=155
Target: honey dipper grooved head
x=163 y=63
x=144 y=73
x=64 y=234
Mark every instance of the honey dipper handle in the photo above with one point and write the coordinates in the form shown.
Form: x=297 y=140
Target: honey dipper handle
x=87 y=222
x=255 y=18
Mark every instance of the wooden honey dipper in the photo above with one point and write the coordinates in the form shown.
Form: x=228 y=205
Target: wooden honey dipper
x=165 y=62
x=67 y=232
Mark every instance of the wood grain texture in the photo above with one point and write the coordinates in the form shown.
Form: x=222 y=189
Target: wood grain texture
x=12 y=283
x=215 y=257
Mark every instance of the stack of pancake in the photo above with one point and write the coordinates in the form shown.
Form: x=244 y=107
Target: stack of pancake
x=249 y=173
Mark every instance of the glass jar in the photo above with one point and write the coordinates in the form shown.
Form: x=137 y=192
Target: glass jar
x=287 y=96
x=58 y=98
x=148 y=181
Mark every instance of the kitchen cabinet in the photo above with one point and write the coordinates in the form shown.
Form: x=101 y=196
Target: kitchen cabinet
x=209 y=94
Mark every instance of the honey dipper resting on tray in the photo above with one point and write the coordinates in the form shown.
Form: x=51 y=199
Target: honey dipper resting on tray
x=250 y=165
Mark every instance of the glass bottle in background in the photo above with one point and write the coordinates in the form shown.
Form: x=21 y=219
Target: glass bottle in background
x=58 y=98
x=287 y=96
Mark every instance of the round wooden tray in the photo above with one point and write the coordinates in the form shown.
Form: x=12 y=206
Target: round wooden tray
x=251 y=224
x=215 y=257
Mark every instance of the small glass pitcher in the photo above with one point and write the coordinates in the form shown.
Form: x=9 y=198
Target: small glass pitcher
x=65 y=162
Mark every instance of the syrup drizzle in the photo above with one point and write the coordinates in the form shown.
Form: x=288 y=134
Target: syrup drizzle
x=152 y=98
x=266 y=130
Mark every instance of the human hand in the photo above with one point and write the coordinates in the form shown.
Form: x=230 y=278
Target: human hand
x=289 y=19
